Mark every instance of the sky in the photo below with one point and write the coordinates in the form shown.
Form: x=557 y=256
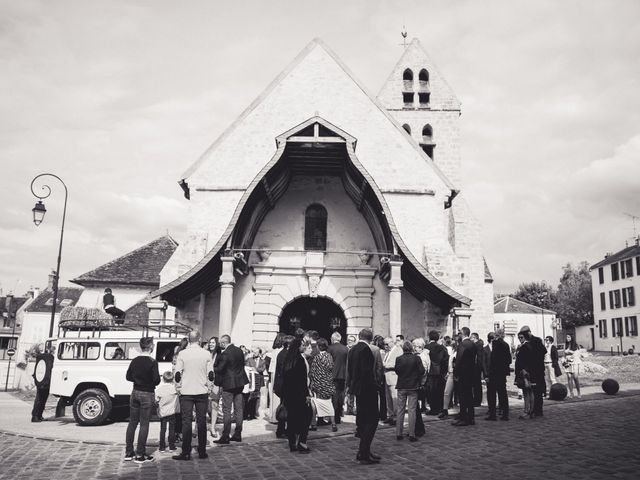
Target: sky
x=120 y=97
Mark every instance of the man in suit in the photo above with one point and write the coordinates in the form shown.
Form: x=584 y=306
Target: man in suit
x=231 y=376
x=437 y=370
x=339 y=353
x=464 y=372
x=536 y=369
x=496 y=368
x=477 y=374
x=362 y=383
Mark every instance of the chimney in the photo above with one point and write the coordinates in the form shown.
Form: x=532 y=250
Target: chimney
x=608 y=254
x=52 y=279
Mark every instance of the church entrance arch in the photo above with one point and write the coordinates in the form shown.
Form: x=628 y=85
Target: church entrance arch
x=318 y=313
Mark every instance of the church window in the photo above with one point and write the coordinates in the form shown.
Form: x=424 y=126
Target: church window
x=427 y=140
x=407 y=98
x=407 y=128
x=424 y=98
x=407 y=80
x=423 y=78
x=315 y=228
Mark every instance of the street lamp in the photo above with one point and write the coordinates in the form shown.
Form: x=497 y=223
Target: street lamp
x=38 y=216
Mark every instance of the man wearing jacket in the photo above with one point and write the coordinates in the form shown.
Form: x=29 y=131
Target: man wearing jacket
x=464 y=373
x=496 y=368
x=436 y=376
x=536 y=369
x=410 y=372
x=231 y=376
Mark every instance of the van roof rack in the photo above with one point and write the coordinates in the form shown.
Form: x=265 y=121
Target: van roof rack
x=66 y=328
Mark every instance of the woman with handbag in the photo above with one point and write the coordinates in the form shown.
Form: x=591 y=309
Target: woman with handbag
x=572 y=364
x=296 y=398
x=214 y=390
x=322 y=386
x=523 y=380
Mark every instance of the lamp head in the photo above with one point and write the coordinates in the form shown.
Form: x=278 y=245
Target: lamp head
x=38 y=212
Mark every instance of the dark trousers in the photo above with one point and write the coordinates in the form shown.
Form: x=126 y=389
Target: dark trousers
x=171 y=421
x=235 y=399
x=200 y=402
x=467 y=412
x=435 y=393
x=298 y=420
x=382 y=400
x=140 y=404
x=498 y=386
x=420 y=431
x=367 y=415
x=40 y=401
x=477 y=389
x=115 y=311
x=538 y=394
x=338 y=398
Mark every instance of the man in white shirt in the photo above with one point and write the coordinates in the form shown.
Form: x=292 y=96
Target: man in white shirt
x=193 y=372
x=392 y=351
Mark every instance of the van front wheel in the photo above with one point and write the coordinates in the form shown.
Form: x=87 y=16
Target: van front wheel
x=91 y=407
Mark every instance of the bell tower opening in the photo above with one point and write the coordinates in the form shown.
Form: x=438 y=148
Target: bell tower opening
x=320 y=314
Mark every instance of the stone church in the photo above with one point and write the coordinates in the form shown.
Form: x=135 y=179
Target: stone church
x=327 y=208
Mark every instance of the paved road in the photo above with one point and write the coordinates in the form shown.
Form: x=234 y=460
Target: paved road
x=586 y=440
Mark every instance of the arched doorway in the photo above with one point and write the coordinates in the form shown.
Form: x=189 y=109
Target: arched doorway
x=320 y=314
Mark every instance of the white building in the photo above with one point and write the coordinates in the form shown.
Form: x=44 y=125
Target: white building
x=327 y=208
x=615 y=282
x=512 y=314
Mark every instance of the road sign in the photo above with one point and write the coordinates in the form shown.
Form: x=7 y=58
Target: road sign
x=11 y=352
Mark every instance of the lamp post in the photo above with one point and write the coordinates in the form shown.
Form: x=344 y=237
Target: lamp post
x=38 y=216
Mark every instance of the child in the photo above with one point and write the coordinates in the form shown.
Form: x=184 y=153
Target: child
x=168 y=406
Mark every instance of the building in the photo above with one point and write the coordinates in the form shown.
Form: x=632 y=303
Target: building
x=512 y=314
x=615 y=282
x=324 y=207
x=11 y=320
x=130 y=277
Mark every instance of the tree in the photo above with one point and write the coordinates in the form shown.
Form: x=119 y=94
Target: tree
x=575 y=301
x=539 y=294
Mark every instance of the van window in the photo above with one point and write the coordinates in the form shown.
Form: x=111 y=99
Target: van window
x=79 y=351
x=121 y=350
x=164 y=351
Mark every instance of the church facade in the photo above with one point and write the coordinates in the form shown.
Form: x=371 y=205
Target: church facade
x=324 y=207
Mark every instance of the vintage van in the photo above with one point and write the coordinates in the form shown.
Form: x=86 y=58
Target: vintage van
x=89 y=370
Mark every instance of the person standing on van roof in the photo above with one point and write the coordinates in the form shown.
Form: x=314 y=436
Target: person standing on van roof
x=194 y=369
x=109 y=302
x=143 y=372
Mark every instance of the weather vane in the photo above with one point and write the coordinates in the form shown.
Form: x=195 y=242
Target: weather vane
x=404 y=36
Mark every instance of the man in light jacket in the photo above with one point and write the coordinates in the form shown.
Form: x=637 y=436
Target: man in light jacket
x=393 y=350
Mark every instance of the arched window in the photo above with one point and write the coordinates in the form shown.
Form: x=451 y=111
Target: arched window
x=407 y=75
x=315 y=228
x=423 y=77
x=407 y=128
x=407 y=81
x=427 y=134
x=427 y=140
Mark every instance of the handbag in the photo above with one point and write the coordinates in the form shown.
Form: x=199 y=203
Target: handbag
x=281 y=413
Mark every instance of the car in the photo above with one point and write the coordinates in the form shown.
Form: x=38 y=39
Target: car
x=89 y=370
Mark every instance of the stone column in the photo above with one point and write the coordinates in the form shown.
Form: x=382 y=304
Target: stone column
x=227 y=280
x=395 y=298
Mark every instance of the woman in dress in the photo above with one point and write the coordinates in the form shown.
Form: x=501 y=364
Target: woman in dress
x=257 y=365
x=572 y=364
x=214 y=391
x=322 y=386
x=296 y=397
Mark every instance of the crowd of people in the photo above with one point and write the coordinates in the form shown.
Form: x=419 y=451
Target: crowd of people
x=313 y=382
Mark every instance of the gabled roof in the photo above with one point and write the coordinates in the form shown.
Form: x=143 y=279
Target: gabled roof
x=487 y=273
x=17 y=302
x=67 y=297
x=415 y=57
x=624 y=254
x=511 y=305
x=141 y=266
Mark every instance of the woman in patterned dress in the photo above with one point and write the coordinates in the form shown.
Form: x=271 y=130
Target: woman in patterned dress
x=322 y=387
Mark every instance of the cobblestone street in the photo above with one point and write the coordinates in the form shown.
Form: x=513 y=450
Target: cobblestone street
x=588 y=440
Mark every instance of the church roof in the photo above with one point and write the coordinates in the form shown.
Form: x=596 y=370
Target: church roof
x=512 y=305
x=416 y=58
x=141 y=266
